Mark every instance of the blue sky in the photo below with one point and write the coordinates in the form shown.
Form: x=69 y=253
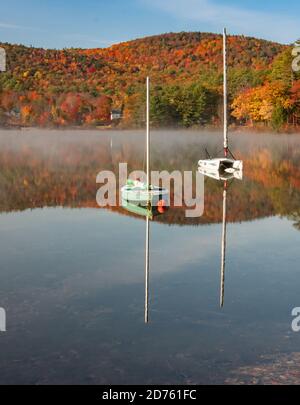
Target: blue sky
x=99 y=23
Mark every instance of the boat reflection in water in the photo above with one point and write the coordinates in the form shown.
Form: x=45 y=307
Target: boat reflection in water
x=141 y=200
x=226 y=178
x=146 y=209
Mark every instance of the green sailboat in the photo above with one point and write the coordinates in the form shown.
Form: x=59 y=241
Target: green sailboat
x=143 y=194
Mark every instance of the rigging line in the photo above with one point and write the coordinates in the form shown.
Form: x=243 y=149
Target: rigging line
x=231 y=154
x=207 y=153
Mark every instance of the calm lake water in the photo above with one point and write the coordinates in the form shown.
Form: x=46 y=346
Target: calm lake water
x=72 y=277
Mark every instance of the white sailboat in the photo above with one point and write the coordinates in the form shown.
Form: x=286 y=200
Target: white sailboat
x=141 y=193
x=226 y=164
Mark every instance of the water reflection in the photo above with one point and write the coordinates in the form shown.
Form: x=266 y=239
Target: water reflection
x=60 y=170
x=147 y=270
x=145 y=209
x=72 y=275
x=225 y=178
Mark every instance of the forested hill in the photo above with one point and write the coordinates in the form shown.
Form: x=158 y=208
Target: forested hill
x=80 y=87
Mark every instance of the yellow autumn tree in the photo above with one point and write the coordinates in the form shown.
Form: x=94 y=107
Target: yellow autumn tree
x=257 y=104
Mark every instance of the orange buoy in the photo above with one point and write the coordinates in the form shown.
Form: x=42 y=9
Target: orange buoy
x=161 y=206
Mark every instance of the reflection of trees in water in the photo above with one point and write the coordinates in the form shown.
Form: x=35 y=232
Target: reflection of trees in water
x=63 y=174
x=295 y=217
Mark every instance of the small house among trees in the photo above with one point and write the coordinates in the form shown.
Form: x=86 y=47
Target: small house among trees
x=116 y=115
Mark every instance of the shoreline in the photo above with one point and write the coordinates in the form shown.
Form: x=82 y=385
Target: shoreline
x=233 y=129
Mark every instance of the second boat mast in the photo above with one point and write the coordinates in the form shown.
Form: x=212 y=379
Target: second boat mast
x=225 y=92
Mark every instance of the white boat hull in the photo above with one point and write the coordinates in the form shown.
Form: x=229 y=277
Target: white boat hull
x=138 y=193
x=222 y=168
x=221 y=164
x=224 y=176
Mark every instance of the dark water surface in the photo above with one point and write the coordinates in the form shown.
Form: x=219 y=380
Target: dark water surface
x=72 y=275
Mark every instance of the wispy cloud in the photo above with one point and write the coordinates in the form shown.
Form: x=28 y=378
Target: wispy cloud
x=10 y=26
x=103 y=42
x=269 y=25
x=86 y=39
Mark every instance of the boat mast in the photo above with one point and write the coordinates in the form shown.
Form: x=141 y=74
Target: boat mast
x=147 y=261
x=225 y=93
x=223 y=262
x=148 y=132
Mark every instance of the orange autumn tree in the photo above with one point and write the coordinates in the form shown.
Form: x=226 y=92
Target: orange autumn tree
x=26 y=112
x=103 y=108
x=259 y=104
x=70 y=108
x=8 y=100
x=99 y=111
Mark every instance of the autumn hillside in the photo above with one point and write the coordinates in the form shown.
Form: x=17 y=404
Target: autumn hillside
x=81 y=87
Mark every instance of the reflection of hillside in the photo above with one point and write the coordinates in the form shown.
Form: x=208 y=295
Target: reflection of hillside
x=280 y=178
x=34 y=175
